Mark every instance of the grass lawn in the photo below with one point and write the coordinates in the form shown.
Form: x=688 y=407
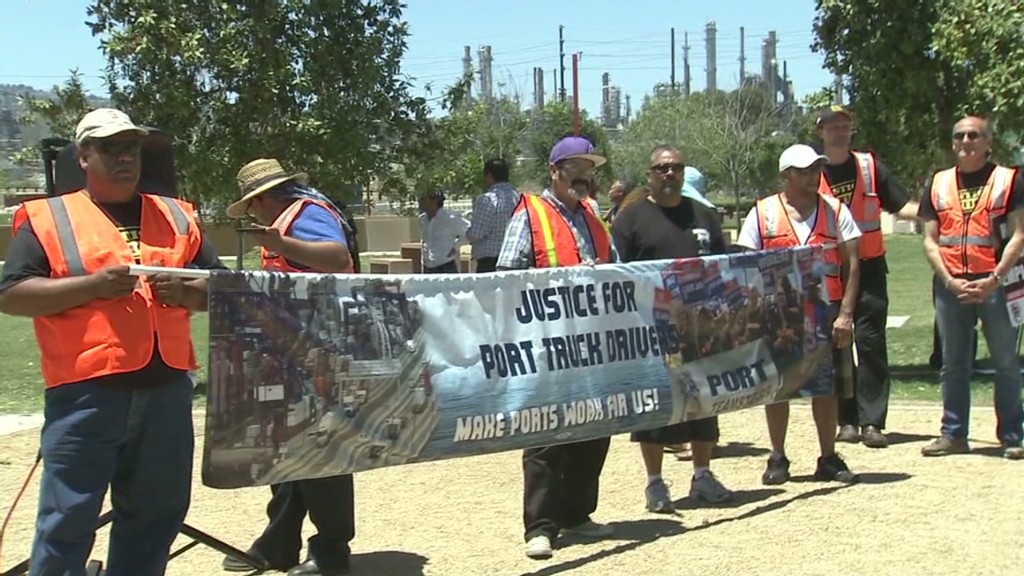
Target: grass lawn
x=909 y=345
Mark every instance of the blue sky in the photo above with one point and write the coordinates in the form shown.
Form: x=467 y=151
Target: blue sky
x=41 y=40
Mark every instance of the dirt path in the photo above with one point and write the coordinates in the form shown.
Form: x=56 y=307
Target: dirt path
x=959 y=515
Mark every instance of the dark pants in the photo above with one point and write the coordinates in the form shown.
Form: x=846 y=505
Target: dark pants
x=140 y=444
x=561 y=485
x=486 y=264
x=330 y=503
x=869 y=405
x=446 y=268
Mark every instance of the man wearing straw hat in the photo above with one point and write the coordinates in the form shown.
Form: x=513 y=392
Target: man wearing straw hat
x=299 y=230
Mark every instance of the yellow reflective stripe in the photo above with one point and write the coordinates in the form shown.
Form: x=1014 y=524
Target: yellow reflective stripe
x=545 y=227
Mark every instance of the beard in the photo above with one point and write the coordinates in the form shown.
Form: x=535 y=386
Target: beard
x=581 y=188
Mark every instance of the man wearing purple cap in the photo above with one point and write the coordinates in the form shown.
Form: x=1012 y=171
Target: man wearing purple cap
x=556 y=229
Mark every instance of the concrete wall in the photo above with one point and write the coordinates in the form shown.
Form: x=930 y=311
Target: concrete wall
x=376 y=234
x=388 y=233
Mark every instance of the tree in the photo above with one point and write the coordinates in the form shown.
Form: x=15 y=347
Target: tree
x=317 y=85
x=61 y=114
x=452 y=152
x=915 y=67
x=551 y=124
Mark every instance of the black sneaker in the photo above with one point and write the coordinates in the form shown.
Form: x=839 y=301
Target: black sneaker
x=833 y=469
x=776 y=472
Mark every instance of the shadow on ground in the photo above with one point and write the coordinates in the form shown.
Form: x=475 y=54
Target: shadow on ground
x=390 y=562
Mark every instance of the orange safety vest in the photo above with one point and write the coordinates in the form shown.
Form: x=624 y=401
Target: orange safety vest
x=105 y=337
x=554 y=243
x=274 y=262
x=776 y=230
x=865 y=205
x=968 y=244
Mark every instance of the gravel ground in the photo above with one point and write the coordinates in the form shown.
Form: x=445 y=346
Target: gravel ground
x=910 y=515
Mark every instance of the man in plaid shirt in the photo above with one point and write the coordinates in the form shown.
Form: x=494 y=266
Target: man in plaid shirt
x=491 y=215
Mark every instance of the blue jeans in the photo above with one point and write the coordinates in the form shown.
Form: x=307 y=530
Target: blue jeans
x=140 y=444
x=956 y=326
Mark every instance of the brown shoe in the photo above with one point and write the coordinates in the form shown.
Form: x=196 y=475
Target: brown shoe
x=944 y=446
x=848 y=434
x=872 y=437
x=1013 y=452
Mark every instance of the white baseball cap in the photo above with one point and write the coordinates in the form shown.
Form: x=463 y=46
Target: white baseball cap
x=105 y=122
x=799 y=156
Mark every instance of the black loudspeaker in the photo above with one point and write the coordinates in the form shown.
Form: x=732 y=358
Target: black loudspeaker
x=157 y=177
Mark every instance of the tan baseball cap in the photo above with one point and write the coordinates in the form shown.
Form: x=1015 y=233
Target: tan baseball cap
x=105 y=122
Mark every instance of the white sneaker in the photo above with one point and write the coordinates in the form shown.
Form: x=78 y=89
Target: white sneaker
x=538 y=548
x=659 y=499
x=589 y=529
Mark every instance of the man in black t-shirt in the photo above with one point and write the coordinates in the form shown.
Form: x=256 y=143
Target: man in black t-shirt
x=974 y=235
x=668 y=226
x=109 y=424
x=865 y=185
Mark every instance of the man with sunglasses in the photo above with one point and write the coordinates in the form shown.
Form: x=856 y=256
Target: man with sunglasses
x=969 y=210
x=556 y=229
x=866 y=187
x=800 y=216
x=116 y=353
x=667 y=226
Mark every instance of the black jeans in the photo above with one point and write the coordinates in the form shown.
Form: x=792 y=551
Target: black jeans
x=330 y=503
x=487 y=264
x=869 y=405
x=446 y=268
x=561 y=485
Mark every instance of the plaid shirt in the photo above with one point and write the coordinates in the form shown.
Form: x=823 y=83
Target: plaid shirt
x=517 y=249
x=491 y=214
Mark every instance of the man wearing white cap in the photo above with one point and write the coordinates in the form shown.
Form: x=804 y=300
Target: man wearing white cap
x=799 y=216
x=116 y=354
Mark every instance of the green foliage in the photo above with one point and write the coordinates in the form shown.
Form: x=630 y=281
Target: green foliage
x=734 y=138
x=317 y=85
x=551 y=124
x=61 y=114
x=915 y=67
x=452 y=151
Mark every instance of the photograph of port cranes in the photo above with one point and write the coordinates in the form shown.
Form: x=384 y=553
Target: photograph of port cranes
x=311 y=375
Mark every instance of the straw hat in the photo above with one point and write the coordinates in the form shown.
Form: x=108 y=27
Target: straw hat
x=257 y=177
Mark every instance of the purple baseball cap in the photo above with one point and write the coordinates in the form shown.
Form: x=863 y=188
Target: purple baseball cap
x=575 y=147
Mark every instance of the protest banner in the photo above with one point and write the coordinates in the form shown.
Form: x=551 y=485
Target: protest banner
x=314 y=375
x=1013 y=287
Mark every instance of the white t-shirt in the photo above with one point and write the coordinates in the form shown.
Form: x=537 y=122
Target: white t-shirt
x=750 y=234
x=442 y=236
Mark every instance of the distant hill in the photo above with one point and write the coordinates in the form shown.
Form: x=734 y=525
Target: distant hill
x=14 y=136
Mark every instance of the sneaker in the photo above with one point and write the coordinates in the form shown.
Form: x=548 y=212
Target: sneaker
x=659 y=499
x=589 y=529
x=1013 y=452
x=946 y=445
x=232 y=564
x=538 y=548
x=834 y=469
x=848 y=434
x=873 y=438
x=776 y=472
x=709 y=489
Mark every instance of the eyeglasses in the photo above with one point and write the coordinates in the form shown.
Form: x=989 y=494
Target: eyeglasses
x=666 y=168
x=968 y=135
x=117 y=147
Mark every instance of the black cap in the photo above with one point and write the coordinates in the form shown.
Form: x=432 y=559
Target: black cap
x=833 y=112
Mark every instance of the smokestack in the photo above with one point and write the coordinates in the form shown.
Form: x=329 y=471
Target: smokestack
x=710 y=33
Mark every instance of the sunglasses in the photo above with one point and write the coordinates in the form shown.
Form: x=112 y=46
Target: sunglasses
x=968 y=135
x=666 y=168
x=117 y=147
